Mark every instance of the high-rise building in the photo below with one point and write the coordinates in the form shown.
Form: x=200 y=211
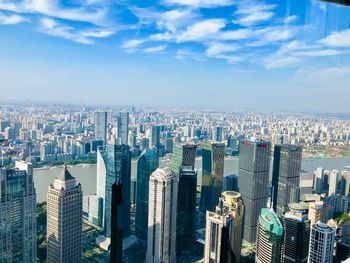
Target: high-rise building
x=183 y=155
x=100 y=119
x=296 y=234
x=17 y=214
x=253 y=178
x=155 y=136
x=345 y=183
x=217 y=134
x=269 y=239
x=333 y=182
x=64 y=220
x=286 y=176
x=223 y=230
x=321 y=243
x=123 y=127
x=319 y=183
x=161 y=240
x=186 y=210
x=317 y=212
x=147 y=163
x=101 y=180
x=212 y=174
x=117 y=160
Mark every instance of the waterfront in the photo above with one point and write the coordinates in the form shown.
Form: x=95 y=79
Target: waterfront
x=86 y=175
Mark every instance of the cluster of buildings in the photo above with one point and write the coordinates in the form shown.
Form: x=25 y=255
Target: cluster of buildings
x=176 y=213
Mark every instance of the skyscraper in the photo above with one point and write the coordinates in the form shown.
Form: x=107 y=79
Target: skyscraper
x=147 y=163
x=223 y=230
x=123 y=127
x=333 y=182
x=161 y=240
x=155 y=136
x=17 y=214
x=321 y=243
x=254 y=164
x=101 y=126
x=269 y=237
x=296 y=234
x=317 y=212
x=212 y=174
x=286 y=176
x=64 y=220
x=217 y=134
x=101 y=179
x=118 y=170
x=183 y=155
x=186 y=210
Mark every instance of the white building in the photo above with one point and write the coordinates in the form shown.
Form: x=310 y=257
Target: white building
x=162 y=207
x=333 y=182
x=101 y=126
x=321 y=243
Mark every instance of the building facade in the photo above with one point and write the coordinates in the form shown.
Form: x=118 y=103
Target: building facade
x=64 y=220
x=286 y=176
x=253 y=179
x=161 y=240
x=212 y=174
x=183 y=155
x=147 y=163
x=100 y=119
x=123 y=127
x=17 y=214
x=321 y=243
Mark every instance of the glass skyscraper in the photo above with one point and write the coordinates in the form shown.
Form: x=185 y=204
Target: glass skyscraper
x=147 y=163
x=17 y=214
x=184 y=154
x=212 y=174
x=118 y=170
x=123 y=127
x=286 y=176
x=253 y=179
x=100 y=119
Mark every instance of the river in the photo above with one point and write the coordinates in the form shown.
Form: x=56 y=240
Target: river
x=86 y=175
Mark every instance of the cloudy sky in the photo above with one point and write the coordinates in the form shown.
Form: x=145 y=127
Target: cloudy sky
x=234 y=54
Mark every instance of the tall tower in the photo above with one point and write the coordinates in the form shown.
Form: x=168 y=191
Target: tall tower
x=161 y=239
x=212 y=174
x=321 y=243
x=147 y=163
x=223 y=230
x=183 y=155
x=254 y=164
x=269 y=238
x=123 y=127
x=64 y=220
x=155 y=136
x=117 y=160
x=286 y=176
x=186 y=210
x=17 y=214
x=101 y=179
x=296 y=234
x=333 y=182
x=100 y=118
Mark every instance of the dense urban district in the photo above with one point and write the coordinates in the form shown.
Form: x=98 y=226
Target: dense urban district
x=269 y=211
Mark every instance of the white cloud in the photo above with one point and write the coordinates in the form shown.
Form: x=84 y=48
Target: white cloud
x=216 y=49
x=155 y=49
x=201 y=30
x=337 y=39
x=319 y=53
x=270 y=35
x=133 y=43
x=200 y=3
x=290 y=19
x=254 y=18
x=185 y=53
x=280 y=62
x=236 y=34
x=10 y=19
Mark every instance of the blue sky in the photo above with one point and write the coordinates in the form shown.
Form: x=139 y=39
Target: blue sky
x=264 y=55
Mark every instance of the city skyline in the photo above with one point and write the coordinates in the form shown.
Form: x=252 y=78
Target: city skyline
x=256 y=55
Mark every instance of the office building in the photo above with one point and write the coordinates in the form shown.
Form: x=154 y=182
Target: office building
x=186 y=210
x=147 y=163
x=100 y=120
x=161 y=240
x=269 y=238
x=155 y=136
x=320 y=181
x=64 y=220
x=183 y=155
x=17 y=214
x=123 y=127
x=217 y=134
x=286 y=176
x=117 y=160
x=101 y=179
x=333 y=182
x=317 y=212
x=212 y=174
x=253 y=178
x=321 y=243
x=116 y=248
x=296 y=234
x=95 y=210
